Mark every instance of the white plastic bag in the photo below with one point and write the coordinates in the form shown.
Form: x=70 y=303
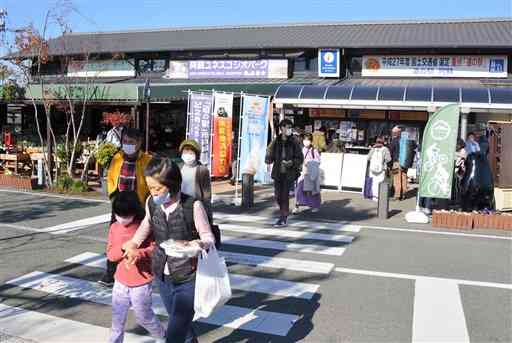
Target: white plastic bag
x=213 y=288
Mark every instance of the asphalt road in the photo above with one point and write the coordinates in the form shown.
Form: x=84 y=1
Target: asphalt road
x=315 y=281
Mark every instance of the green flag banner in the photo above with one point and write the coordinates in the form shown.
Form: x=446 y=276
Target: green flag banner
x=438 y=152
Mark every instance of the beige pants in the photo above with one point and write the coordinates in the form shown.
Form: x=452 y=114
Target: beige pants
x=400 y=183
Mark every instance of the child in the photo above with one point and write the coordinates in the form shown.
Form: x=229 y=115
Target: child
x=132 y=286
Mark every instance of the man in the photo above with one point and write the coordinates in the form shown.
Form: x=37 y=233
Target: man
x=399 y=174
x=286 y=156
x=126 y=173
x=114 y=135
x=472 y=145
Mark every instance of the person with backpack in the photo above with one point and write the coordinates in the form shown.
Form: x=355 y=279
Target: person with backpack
x=172 y=216
x=379 y=158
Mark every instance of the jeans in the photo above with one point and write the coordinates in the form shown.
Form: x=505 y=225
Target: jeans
x=140 y=299
x=178 y=299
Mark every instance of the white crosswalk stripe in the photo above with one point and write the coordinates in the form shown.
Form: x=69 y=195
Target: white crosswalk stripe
x=240 y=282
x=252 y=318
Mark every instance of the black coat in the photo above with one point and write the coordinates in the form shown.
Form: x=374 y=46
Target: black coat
x=293 y=152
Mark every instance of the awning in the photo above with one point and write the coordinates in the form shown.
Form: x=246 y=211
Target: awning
x=396 y=97
x=97 y=93
x=173 y=92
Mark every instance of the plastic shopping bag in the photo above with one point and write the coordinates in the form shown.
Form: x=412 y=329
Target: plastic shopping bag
x=213 y=288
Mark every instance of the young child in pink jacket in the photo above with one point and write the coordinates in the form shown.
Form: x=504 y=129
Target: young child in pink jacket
x=132 y=286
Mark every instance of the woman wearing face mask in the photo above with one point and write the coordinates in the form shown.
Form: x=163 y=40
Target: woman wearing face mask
x=171 y=215
x=126 y=173
x=196 y=177
x=308 y=185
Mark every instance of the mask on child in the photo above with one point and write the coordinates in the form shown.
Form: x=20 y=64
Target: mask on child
x=129 y=149
x=306 y=143
x=288 y=132
x=188 y=158
x=124 y=220
x=162 y=198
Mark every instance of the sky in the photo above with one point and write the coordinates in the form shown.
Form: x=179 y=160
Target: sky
x=113 y=15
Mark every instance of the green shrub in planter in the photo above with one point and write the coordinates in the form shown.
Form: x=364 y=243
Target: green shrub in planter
x=64 y=183
x=79 y=187
x=105 y=153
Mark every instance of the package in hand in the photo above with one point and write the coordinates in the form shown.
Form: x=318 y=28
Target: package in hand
x=175 y=249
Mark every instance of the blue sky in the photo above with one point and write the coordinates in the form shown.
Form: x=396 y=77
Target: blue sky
x=109 y=15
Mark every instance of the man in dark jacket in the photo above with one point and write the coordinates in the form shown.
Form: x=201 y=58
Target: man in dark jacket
x=286 y=156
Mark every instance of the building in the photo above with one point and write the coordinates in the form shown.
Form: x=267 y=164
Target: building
x=357 y=79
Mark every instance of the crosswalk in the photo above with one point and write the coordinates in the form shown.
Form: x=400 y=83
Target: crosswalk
x=261 y=272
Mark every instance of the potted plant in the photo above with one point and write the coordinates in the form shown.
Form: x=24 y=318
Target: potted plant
x=104 y=155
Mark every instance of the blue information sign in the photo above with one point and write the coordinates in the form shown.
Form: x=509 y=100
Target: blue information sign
x=329 y=62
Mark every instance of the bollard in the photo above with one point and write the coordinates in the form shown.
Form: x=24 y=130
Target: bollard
x=383 y=204
x=247 y=190
x=40 y=172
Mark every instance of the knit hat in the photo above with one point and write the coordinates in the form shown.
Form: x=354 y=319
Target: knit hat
x=192 y=144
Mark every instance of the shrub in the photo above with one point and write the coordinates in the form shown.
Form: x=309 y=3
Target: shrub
x=105 y=153
x=64 y=183
x=79 y=187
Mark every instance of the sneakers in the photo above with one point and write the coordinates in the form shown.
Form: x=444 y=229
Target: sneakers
x=296 y=210
x=282 y=222
x=315 y=210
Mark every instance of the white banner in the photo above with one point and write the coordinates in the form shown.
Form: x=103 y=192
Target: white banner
x=103 y=68
x=223 y=106
x=435 y=66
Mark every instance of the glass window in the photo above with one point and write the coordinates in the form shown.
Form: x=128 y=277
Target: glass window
x=356 y=65
x=159 y=65
x=144 y=66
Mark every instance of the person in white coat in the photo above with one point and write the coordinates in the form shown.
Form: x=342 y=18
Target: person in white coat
x=379 y=158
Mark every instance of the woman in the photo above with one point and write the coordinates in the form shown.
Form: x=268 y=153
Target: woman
x=172 y=215
x=196 y=177
x=308 y=185
x=379 y=158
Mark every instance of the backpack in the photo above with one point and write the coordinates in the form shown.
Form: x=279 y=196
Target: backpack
x=377 y=161
x=187 y=203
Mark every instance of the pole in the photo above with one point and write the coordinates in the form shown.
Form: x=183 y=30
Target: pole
x=211 y=132
x=240 y=122
x=188 y=115
x=147 y=125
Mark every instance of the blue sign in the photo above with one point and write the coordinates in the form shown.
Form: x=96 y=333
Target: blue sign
x=329 y=62
x=254 y=136
x=497 y=65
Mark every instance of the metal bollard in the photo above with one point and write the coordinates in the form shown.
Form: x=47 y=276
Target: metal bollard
x=247 y=190
x=383 y=204
x=40 y=172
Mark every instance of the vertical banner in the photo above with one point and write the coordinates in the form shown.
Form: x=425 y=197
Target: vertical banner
x=222 y=146
x=200 y=123
x=437 y=153
x=254 y=136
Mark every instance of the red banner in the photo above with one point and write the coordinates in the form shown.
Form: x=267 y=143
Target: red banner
x=222 y=146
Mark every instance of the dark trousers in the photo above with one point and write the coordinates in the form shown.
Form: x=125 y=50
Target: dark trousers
x=178 y=300
x=282 y=187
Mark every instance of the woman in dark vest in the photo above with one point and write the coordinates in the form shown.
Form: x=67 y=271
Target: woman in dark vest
x=171 y=215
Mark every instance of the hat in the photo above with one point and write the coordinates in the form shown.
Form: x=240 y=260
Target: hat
x=190 y=143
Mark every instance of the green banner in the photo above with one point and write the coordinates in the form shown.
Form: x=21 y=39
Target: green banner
x=438 y=153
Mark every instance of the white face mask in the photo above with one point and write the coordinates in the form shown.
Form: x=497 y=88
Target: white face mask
x=124 y=220
x=288 y=132
x=188 y=158
x=307 y=144
x=129 y=149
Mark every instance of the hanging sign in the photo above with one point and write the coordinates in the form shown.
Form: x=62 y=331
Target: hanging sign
x=101 y=68
x=222 y=134
x=254 y=136
x=200 y=123
x=329 y=62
